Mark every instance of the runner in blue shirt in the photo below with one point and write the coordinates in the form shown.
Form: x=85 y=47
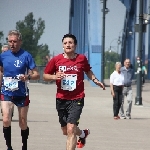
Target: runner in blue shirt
x=14 y=64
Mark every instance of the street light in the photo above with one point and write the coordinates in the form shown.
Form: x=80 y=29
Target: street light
x=141 y=27
x=105 y=11
x=109 y=60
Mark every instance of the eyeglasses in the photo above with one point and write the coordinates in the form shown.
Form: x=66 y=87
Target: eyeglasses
x=12 y=41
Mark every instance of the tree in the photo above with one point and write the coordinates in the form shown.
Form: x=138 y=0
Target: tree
x=41 y=57
x=110 y=59
x=32 y=31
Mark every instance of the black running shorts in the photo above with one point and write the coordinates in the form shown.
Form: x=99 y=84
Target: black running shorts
x=69 y=111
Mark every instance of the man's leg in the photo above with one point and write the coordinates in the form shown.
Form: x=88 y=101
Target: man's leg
x=71 y=136
x=7 y=107
x=12 y=112
x=80 y=133
x=129 y=103
x=23 y=125
x=122 y=115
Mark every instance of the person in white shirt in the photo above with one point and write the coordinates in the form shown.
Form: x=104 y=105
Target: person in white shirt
x=116 y=86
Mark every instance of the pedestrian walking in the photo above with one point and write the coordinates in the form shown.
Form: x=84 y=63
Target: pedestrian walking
x=68 y=70
x=116 y=86
x=127 y=90
x=14 y=64
x=144 y=72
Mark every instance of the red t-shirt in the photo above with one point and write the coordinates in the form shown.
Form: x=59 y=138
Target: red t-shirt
x=71 y=87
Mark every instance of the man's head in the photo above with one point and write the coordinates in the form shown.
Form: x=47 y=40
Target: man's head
x=14 y=40
x=5 y=47
x=69 y=43
x=127 y=63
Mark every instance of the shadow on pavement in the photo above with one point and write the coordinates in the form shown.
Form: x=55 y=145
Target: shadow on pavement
x=28 y=121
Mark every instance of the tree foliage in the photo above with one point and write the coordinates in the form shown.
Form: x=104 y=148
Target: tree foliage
x=110 y=59
x=32 y=31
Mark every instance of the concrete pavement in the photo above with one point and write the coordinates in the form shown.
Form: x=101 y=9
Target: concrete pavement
x=106 y=133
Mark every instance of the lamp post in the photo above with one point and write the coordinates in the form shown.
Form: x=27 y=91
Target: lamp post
x=105 y=11
x=138 y=99
x=109 y=60
x=149 y=45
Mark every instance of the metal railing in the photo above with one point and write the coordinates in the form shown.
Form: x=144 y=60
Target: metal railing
x=41 y=71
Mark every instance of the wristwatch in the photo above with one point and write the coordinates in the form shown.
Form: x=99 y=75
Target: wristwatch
x=94 y=79
x=29 y=77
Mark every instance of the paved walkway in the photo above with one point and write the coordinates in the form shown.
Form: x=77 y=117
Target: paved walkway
x=106 y=133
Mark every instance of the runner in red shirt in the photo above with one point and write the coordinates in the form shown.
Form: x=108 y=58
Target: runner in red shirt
x=68 y=70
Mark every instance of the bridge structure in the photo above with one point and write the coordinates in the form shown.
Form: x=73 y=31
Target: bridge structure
x=86 y=24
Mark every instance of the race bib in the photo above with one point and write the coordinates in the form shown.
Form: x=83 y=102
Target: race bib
x=10 y=84
x=69 y=82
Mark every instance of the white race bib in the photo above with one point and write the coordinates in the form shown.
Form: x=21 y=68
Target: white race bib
x=10 y=84
x=69 y=82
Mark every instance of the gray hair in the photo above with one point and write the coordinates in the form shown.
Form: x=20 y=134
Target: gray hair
x=4 y=46
x=15 y=32
x=118 y=63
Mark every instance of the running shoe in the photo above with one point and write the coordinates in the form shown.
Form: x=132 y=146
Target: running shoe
x=82 y=141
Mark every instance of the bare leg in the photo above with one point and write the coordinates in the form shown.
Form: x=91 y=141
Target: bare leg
x=79 y=132
x=23 y=125
x=7 y=107
x=71 y=131
x=71 y=136
x=23 y=117
x=64 y=130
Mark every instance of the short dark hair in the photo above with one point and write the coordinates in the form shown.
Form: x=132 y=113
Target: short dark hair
x=70 y=36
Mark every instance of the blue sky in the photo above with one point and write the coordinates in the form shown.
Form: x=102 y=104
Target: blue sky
x=54 y=12
x=56 y=16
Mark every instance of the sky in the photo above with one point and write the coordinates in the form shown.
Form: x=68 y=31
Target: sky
x=56 y=16
x=54 y=12
x=114 y=23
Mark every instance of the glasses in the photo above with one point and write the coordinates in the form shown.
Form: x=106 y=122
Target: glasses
x=15 y=32
x=12 y=41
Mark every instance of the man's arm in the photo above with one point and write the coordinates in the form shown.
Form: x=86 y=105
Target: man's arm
x=33 y=75
x=145 y=70
x=51 y=77
x=1 y=75
x=92 y=77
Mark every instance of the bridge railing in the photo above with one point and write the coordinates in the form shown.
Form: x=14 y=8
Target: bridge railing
x=41 y=71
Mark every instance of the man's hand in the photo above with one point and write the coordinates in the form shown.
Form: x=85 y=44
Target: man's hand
x=59 y=75
x=100 y=84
